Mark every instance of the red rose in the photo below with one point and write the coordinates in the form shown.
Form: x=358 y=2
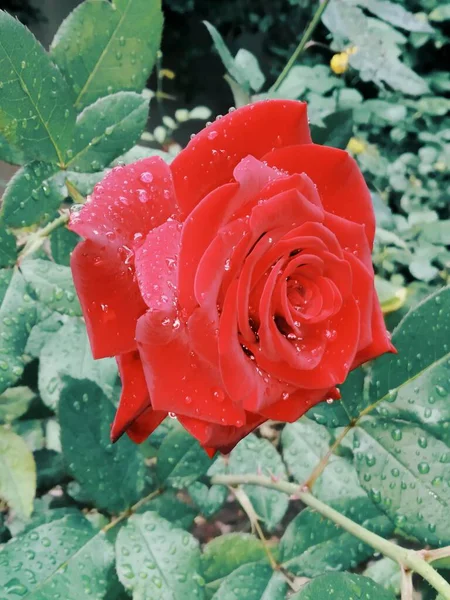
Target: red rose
x=236 y=284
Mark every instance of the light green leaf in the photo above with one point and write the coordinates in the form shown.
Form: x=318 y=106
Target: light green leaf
x=17 y=474
x=36 y=113
x=304 y=444
x=387 y=573
x=342 y=586
x=8 y=248
x=67 y=352
x=105 y=47
x=181 y=460
x=107 y=129
x=95 y=463
x=14 y=402
x=440 y=13
x=52 y=285
x=236 y=71
x=17 y=317
x=253 y=455
x=32 y=195
x=48 y=323
x=312 y=544
x=254 y=581
x=156 y=561
x=208 y=499
x=66 y=558
x=224 y=554
x=248 y=63
x=396 y=15
x=5 y=278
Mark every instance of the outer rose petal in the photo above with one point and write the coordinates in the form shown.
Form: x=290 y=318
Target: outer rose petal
x=134 y=414
x=109 y=297
x=294 y=405
x=125 y=206
x=337 y=176
x=381 y=340
x=210 y=157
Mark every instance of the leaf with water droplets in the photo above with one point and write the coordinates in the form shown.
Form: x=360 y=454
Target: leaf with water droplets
x=254 y=581
x=85 y=415
x=32 y=195
x=255 y=455
x=107 y=129
x=312 y=544
x=17 y=474
x=8 y=248
x=170 y=507
x=387 y=573
x=14 y=402
x=157 y=561
x=17 y=317
x=342 y=586
x=304 y=445
x=105 y=47
x=52 y=285
x=36 y=113
x=67 y=352
x=62 y=244
x=66 y=559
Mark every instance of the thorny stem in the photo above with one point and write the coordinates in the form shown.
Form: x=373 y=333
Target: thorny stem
x=407 y=585
x=409 y=560
x=301 y=46
x=130 y=511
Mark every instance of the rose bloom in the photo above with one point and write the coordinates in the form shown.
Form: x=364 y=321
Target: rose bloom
x=234 y=285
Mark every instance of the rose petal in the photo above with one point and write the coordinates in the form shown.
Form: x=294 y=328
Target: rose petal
x=109 y=297
x=292 y=406
x=210 y=157
x=381 y=340
x=338 y=179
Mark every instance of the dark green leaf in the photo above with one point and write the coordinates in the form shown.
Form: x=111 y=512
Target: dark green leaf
x=254 y=581
x=67 y=352
x=10 y=154
x=104 y=47
x=312 y=544
x=62 y=243
x=181 y=459
x=85 y=415
x=8 y=248
x=254 y=455
x=17 y=474
x=170 y=507
x=342 y=586
x=52 y=285
x=107 y=129
x=36 y=113
x=157 y=560
x=31 y=432
x=17 y=317
x=222 y=555
x=65 y=558
x=50 y=469
x=304 y=444
x=337 y=131
x=14 y=402
x=236 y=71
x=32 y=195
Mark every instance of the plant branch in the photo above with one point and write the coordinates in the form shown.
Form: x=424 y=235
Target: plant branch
x=407 y=585
x=301 y=46
x=408 y=559
x=130 y=511
x=36 y=239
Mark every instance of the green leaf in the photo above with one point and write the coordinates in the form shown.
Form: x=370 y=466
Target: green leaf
x=14 y=402
x=17 y=474
x=65 y=558
x=312 y=544
x=236 y=71
x=67 y=352
x=396 y=15
x=157 y=560
x=107 y=129
x=248 y=63
x=208 y=499
x=10 y=154
x=32 y=195
x=402 y=449
x=387 y=573
x=36 y=113
x=62 y=244
x=170 y=507
x=31 y=431
x=342 y=586
x=8 y=248
x=337 y=131
x=440 y=13
x=222 y=555
x=181 y=460
x=17 y=317
x=50 y=469
x=253 y=455
x=95 y=463
x=46 y=326
x=5 y=278
x=52 y=285
x=104 y=47
x=254 y=581
x=304 y=444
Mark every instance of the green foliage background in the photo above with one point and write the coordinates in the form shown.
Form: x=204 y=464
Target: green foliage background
x=82 y=518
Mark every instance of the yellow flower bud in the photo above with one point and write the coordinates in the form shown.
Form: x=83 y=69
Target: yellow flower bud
x=356 y=146
x=339 y=63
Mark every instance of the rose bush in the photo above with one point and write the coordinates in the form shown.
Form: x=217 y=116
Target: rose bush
x=234 y=285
